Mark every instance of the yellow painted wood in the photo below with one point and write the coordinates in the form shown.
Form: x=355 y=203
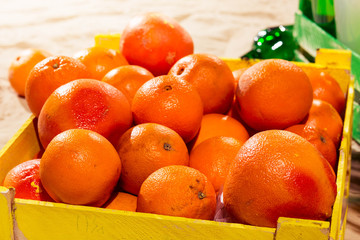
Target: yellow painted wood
x=343 y=172
x=338 y=63
x=6 y=220
x=40 y=220
x=21 y=147
x=343 y=226
x=238 y=63
x=43 y=220
x=296 y=229
x=111 y=41
x=334 y=58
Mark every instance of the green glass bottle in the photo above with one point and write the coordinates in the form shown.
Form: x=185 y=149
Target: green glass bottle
x=305 y=7
x=276 y=42
x=323 y=15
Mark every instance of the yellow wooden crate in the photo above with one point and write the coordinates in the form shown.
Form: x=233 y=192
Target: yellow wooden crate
x=44 y=220
x=6 y=220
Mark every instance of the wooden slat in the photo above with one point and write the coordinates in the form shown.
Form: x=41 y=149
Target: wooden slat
x=40 y=220
x=24 y=145
x=295 y=229
x=6 y=220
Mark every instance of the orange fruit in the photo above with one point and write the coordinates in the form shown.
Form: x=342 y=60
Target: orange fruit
x=87 y=104
x=21 y=66
x=171 y=102
x=215 y=124
x=211 y=77
x=273 y=94
x=275 y=174
x=178 y=191
x=321 y=141
x=25 y=179
x=213 y=157
x=48 y=75
x=145 y=148
x=326 y=88
x=80 y=167
x=100 y=60
x=323 y=115
x=155 y=41
x=237 y=74
x=122 y=201
x=234 y=113
x=128 y=79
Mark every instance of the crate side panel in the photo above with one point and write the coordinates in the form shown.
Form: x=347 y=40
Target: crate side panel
x=24 y=145
x=111 y=41
x=6 y=220
x=293 y=229
x=235 y=64
x=340 y=206
x=35 y=221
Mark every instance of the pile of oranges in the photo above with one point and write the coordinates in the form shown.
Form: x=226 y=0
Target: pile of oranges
x=160 y=129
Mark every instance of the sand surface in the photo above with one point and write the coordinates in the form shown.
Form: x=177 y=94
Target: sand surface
x=225 y=28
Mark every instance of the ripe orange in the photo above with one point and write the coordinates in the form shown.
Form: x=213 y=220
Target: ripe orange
x=213 y=158
x=234 y=113
x=211 y=77
x=214 y=124
x=324 y=116
x=100 y=60
x=87 y=104
x=279 y=174
x=319 y=139
x=326 y=88
x=145 y=148
x=171 y=102
x=122 y=201
x=128 y=79
x=155 y=41
x=273 y=94
x=48 y=75
x=178 y=191
x=237 y=74
x=21 y=66
x=26 y=181
x=80 y=167
x=233 y=110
